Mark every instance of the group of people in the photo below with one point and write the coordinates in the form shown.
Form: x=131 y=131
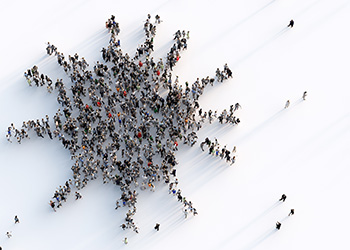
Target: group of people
x=223 y=153
x=123 y=121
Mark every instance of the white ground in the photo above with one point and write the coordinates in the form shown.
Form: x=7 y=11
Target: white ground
x=302 y=151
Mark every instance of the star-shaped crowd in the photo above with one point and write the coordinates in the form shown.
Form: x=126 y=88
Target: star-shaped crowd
x=123 y=119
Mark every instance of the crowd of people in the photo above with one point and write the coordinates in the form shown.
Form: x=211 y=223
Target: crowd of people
x=123 y=120
x=215 y=150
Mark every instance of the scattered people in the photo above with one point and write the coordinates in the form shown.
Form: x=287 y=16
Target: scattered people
x=283 y=198
x=118 y=126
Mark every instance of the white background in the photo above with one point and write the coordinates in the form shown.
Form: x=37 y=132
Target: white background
x=302 y=151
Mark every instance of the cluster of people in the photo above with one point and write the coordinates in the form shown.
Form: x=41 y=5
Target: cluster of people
x=33 y=75
x=117 y=125
x=215 y=150
x=40 y=127
x=224 y=117
x=112 y=25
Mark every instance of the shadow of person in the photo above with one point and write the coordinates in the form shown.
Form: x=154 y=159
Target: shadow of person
x=253 y=221
x=261 y=239
x=260 y=47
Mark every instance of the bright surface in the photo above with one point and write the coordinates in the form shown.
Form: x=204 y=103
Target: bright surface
x=302 y=151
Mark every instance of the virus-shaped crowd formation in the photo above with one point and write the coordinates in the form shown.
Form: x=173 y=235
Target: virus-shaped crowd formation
x=123 y=120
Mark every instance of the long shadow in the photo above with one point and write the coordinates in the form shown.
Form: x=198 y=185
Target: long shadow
x=252 y=222
x=260 y=127
x=260 y=47
x=261 y=239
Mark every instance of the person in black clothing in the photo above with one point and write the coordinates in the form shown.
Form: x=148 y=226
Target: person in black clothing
x=278 y=225
x=291 y=212
x=283 y=198
x=291 y=23
x=157 y=227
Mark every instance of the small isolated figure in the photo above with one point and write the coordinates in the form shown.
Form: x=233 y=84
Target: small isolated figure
x=291 y=212
x=287 y=104
x=16 y=219
x=291 y=23
x=278 y=225
x=304 y=95
x=283 y=198
x=8 y=234
x=125 y=240
x=157 y=227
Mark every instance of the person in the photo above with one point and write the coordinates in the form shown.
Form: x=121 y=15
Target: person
x=16 y=219
x=185 y=213
x=278 y=225
x=291 y=212
x=125 y=240
x=117 y=205
x=52 y=204
x=304 y=95
x=131 y=106
x=283 y=198
x=157 y=227
x=287 y=104
x=291 y=23
x=77 y=195
x=8 y=234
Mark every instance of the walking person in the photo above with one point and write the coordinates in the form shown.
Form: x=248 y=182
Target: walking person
x=9 y=234
x=125 y=241
x=157 y=227
x=16 y=219
x=52 y=205
x=304 y=95
x=283 y=198
x=278 y=225
x=287 y=104
x=291 y=212
x=291 y=23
